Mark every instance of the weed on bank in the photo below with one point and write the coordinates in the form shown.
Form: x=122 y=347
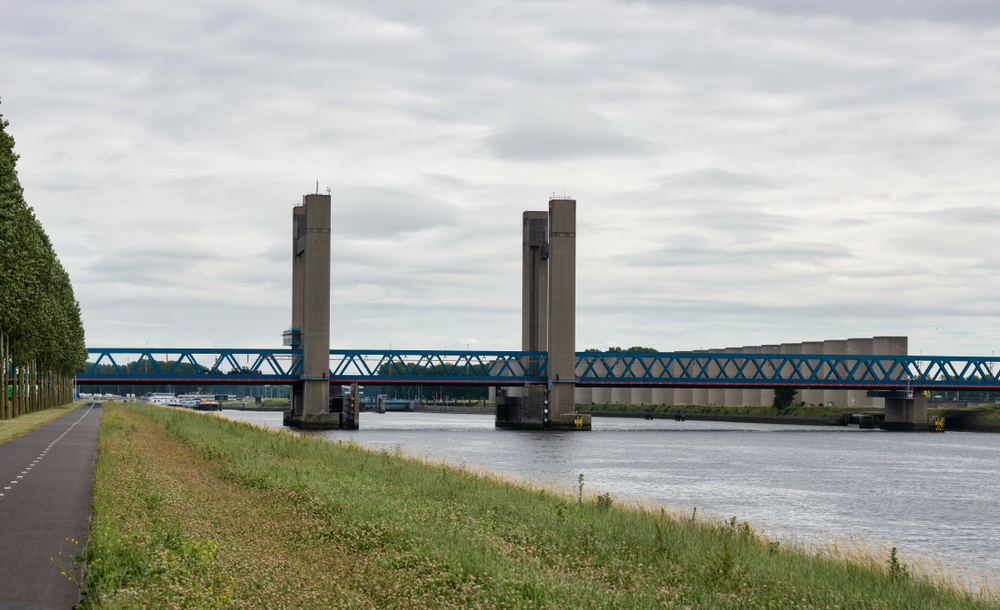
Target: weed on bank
x=197 y=511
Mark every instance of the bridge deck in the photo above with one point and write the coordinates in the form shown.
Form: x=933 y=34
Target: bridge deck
x=243 y=366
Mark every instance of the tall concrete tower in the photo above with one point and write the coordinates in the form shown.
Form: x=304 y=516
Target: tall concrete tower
x=548 y=323
x=535 y=282
x=310 y=330
x=562 y=308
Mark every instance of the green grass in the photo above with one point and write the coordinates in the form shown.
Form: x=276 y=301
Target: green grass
x=803 y=411
x=13 y=428
x=193 y=510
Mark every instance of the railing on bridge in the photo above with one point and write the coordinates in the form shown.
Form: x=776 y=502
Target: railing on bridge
x=786 y=370
x=243 y=366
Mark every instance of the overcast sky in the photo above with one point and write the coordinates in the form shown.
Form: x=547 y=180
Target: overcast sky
x=761 y=172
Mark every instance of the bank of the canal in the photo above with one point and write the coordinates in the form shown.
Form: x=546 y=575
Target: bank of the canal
x=194 y=510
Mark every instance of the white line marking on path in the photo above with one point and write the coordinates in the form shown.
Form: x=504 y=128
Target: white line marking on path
x=65 y=432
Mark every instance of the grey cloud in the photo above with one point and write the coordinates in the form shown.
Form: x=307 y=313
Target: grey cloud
x=716 y=178
x=566 y=133
x=734 y=255
x=382 y=213
x=962 y=11
x=967 y=215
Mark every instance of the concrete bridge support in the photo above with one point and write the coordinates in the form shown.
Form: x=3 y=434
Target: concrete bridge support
x=548 y=319
x=535 y=282
x=311 y=313
x=562 y=316
x=906 y=414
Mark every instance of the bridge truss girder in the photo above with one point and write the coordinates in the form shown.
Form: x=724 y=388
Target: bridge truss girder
x=213 y=366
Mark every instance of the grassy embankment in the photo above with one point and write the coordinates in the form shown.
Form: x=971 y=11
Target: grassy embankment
x=13 y=428
x=193 y=510
x=793 y=411
x=985 y=417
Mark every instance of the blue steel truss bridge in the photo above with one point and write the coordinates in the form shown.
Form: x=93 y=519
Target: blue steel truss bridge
x=245 y=366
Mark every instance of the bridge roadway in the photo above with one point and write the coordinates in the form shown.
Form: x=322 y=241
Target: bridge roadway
x=245 y=366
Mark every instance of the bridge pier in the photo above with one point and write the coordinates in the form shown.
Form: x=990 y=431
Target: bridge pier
x=311 y=314
x=906 y=414
x=548 y=323
x=905 y=410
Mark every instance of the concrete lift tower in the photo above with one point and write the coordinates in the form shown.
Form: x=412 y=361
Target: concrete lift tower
x=310 y=330
x=548 y=323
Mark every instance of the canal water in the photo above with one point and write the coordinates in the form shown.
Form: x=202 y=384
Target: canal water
x=935 y=493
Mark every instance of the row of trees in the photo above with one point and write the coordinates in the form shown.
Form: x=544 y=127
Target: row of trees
x=459 y=392
x=41 y=333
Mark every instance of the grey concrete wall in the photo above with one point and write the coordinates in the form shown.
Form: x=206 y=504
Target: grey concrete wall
x=750 y=397
x=733 y=396
x=913 y=410
x=534 y=283
x=757 y=396
x=788 y=370
x=316 y=305
x=298 y=269
x=621 y=395
x=562 y=305
x=584 y=395
x=716 y=396
x=767 y=394
x=534 y=290
x=811 y=397
x=601 y=395
x=862 y=348
x=835 y=347
x=641 y=396
x=663 y=396
x=889 y=346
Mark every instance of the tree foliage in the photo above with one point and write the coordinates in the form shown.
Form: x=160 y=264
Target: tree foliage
x=39 y=314
x=783 y=398
x=635 y=349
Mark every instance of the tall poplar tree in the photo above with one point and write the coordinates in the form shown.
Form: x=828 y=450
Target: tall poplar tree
x=39 y=314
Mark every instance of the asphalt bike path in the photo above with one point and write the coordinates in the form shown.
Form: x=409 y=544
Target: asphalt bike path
x=45 y=489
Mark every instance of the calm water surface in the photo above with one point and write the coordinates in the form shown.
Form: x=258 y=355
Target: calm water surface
x=926 y=492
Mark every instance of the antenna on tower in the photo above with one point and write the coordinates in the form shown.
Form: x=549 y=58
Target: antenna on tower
x=317 y=187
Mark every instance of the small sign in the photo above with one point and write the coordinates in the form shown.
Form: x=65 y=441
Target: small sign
x=550 y=382
x=909 y=393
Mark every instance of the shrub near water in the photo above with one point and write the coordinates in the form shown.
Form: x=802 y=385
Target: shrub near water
x=217 y=513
